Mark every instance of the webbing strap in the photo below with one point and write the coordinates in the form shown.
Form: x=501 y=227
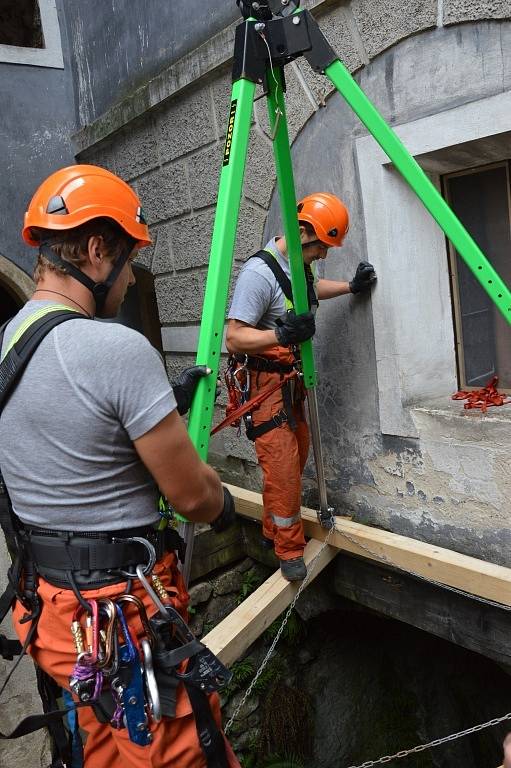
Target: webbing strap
x=30 y=320
x=250 y=405
x=283 y=280
x=279 y=274
x=26 y=341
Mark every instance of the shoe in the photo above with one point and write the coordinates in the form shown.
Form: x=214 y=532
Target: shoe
x=294 y=569
x=267 y=543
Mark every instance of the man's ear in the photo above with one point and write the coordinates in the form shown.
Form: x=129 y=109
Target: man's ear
x=95 y=249
x=303 y=232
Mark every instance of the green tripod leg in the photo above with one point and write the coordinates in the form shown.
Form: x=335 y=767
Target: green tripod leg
x=422 y=186
x=287 y=197
x=219 y=273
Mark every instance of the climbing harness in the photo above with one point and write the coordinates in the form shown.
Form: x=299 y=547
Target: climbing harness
x=241 y=368
x=237 y=380
x=129 y=682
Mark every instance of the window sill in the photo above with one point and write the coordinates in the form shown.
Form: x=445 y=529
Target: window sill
x=453 y=409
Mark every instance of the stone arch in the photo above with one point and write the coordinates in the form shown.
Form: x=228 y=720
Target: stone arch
x=16 y=288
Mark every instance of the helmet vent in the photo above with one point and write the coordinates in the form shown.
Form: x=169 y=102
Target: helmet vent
x=57 y=206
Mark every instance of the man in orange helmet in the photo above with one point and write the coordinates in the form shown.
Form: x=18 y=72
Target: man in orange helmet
x=263 y=335
x=90 y=433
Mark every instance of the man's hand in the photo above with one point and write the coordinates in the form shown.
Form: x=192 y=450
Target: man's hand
x=293 y=329
x=185 y=384
x=227 y=516
x=364 y=277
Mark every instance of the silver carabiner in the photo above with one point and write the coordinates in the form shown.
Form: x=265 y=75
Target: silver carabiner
x=153 y=695
x=152 y=594
x=152 y=556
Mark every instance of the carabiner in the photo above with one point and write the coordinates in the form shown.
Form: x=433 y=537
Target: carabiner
x=90 y=656
x=152 y=594
x=153 y=694
x=152 y=555
x=141 y=612
x=107 y=606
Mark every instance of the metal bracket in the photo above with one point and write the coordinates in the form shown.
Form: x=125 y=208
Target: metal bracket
x=261 y=44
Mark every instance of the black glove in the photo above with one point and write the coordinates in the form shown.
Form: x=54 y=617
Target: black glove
x=185 y=384
x=227 y=516
x=364 y=277
x=293 y=329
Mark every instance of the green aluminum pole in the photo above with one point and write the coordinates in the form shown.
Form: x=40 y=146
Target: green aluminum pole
x=220 y=260
x=422 y=186
x=219 y=275
x=287 y=197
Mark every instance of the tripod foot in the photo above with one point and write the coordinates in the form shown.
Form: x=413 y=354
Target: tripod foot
x=326 y=518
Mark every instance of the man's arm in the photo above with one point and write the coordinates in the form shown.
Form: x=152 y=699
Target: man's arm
x=363 y=279
x=329 y=289
x=244 y=338
x=192 y=487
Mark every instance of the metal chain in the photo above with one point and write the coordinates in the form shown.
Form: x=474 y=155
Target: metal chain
x=385 y=559
x=422 y=747
x=277 y=637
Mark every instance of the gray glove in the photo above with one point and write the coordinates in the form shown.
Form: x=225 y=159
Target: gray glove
x=185 y=384
x=293 y=329
x=364 y=277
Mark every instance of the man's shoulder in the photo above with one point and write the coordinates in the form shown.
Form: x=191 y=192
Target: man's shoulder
x=103 y=334
x=257 y=266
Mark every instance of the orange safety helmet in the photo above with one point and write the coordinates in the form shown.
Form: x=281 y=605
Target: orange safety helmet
x=79 y=193
x=327 y=215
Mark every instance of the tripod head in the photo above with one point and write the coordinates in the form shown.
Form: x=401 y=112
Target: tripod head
x=265 y=10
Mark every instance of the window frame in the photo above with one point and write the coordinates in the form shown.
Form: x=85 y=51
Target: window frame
x=51 y=55
x=412 y=304
x=453 y=269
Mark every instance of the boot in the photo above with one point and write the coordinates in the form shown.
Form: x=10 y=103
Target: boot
x=294 y=569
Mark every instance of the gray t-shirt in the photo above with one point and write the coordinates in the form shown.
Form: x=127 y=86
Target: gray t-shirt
x=67 y=431
x=258 y=298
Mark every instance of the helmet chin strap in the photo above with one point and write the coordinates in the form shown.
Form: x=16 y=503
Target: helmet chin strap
x=99 y=290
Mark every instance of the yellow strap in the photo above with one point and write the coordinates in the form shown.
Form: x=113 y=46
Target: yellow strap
x=32 y=319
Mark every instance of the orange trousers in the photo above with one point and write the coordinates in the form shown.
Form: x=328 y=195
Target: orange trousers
x=175 y=743
x=282 y=454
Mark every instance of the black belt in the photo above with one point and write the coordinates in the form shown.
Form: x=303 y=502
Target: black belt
x=263 y=364
x=106 y=554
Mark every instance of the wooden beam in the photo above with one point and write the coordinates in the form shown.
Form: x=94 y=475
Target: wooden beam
x=461 y=620
x=231 y=638
x=474 y=576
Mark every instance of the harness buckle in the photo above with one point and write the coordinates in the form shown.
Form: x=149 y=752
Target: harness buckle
x=280 y=418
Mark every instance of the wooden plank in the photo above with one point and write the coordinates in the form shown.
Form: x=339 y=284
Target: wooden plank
x=231 y=638
x=477 y=577
x=461 y=620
